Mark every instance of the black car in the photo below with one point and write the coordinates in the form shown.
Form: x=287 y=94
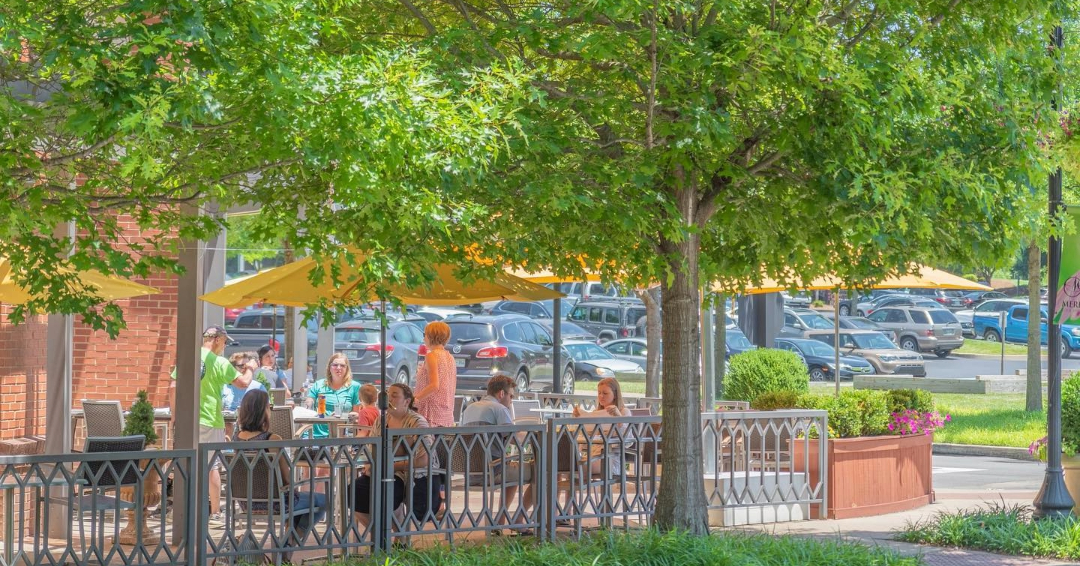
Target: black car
x=359 y=341
x=976 y=298
x=569 y=330
x=535 y=309
x=512 y=344
x=736 y=343
x=820 y=359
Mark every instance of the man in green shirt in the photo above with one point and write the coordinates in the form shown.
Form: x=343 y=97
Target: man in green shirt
x=215 y=373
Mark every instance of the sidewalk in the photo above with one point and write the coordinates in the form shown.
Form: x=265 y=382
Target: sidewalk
x=879 y=531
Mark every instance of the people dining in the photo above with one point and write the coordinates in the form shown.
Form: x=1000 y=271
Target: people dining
x=338 y=389
x=233 y=393
x=436 y=377
x=609 y=403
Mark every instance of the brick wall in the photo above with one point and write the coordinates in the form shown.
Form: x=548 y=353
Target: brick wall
x=22 y=376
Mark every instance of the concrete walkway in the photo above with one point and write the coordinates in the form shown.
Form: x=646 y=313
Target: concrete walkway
x=879 y=531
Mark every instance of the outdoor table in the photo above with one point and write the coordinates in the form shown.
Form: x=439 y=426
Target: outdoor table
x=553 y=411
x=162 y=419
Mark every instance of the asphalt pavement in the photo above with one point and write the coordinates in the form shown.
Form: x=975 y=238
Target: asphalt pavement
x=962 y=366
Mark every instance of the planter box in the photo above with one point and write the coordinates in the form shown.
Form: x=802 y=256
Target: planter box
x=873 y=475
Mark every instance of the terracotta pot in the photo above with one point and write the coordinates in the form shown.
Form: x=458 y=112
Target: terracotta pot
x=1071 y=465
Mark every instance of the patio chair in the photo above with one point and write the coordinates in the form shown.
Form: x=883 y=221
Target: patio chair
x=102 y=419
x=574 y=476
x=481 y=467
x=257 y=489
x=277 y=396
x=459 y=405
x=97 y=479
x=523 y=413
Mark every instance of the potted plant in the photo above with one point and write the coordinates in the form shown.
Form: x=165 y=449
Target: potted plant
x=140 y=418
x=1070 y=439
x=879 y=448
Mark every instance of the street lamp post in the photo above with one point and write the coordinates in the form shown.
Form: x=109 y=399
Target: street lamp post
x=1053 y=500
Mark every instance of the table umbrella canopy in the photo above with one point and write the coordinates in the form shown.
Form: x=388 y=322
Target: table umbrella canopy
x=924 y=278
x=545 y=276
x=290 y=285
x=107 y=287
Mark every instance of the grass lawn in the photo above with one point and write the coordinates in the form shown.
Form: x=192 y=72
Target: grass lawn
x=990 y=348
x=992 y=420
x=1005 y=530
x=650 y=548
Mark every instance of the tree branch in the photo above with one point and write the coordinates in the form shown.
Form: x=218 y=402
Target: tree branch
x=424 y=21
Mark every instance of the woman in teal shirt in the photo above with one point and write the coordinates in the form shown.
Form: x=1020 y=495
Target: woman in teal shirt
x=338 y=387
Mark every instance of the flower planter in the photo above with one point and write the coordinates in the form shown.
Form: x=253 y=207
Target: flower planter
x=873 y=475
x=1071 y=467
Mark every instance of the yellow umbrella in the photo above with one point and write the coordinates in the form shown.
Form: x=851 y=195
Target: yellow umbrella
x=289 y=285
x=546 y=276
x=930 y=278
x=770 y=285
x=107 y=287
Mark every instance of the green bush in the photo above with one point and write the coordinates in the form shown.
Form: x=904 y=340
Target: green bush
x=774 y=400
x=1000 y=529
x=971 y=277
x=1070 y=415
x=873 y=409
x=910 y=399
x=817 y=304
x=853 y=413
x=760 y=371
x=140 y=420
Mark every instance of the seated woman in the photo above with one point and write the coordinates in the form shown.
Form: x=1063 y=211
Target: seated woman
x=253 y=422
x=426 y=495
x=609 y=403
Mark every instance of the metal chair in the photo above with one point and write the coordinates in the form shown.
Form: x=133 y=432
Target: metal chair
x=523 y=411
x=459 y=405
x=102 y=419
x=97 y=478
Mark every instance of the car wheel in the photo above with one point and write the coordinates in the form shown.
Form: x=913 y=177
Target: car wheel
x=845 y=310
x=568 y=382
x=910 y=344
x=816 y=374
x=991 y=336
x=402 y=376
x=860 y=313
x=942 y=353
x=1066 y=349
x=522 y=381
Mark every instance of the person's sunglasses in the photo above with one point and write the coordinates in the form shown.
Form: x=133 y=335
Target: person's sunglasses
x=339 y=365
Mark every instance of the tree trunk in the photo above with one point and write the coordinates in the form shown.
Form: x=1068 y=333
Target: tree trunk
x=652 y=340
x=681 y=503
x=1034 y=337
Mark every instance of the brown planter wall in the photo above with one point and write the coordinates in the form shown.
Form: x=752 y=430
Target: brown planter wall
x=874 y=475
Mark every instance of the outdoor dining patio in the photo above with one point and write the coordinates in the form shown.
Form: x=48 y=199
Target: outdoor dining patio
x=109 y=505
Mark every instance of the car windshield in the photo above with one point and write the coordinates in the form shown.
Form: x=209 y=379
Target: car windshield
x=738 y=340
x=582 y=352
x=815 y=348
x=816 y=321
x=357 y=335
x=942 y=316
x=466 y=332
x=570 y=328
x=874 y=341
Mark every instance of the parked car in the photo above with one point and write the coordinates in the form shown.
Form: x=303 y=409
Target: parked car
x=894 y=300
x=593 y=362
x=536 y=309
x=609 y=319
x=591 y=290
x=849 y=300
x=568 y=330
x=631 y=349
x=799 y=321
x=922 y=329
x=257 y=327
x=431 y=314
x=946 y=298
x=875 y=348
x=512 y=344
x=1016 y=327
x=862 y=323
x=801 y=299
x=976 y=298
x=359 y=341
x=988 y=307
x=820 y=359
x=735 y=343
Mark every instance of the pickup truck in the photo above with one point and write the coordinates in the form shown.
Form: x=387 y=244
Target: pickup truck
x=253 y=329
x=1016 y=326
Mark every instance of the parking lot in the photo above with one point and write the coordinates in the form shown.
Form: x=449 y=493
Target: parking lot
x=970 y=366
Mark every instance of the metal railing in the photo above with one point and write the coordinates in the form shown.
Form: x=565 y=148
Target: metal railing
x=91 y=508
x=766 y=458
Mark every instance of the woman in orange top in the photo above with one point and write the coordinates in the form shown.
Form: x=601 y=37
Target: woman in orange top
x=436 y=377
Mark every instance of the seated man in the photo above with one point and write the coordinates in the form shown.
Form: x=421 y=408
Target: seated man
x=494 y=409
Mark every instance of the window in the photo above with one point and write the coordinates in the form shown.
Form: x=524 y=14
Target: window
x=512 y=333
x=638 y=349
x=895 y=316
x=595 y=314
x=619 y=348
x=416 y=334
x=542 y=336
x=942 y=317
x=634 y=315
x=579 y=314
x=919 y=317
x=528 y=333
x=790 y=319
x=522 y=308
x=828 y=338
x=402 y=335
x=537 y=311
x=1020 y=314
x=611 y=316
x=246 y=321
x=878 y=316
x=784 y=346
x=466 y=332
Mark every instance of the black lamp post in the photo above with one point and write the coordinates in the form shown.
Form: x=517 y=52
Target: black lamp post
x=1053 y=500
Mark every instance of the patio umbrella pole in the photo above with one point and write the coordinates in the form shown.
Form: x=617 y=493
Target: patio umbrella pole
x=836 y=338
x=382 y=519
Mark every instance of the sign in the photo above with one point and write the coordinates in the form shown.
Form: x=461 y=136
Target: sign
x=1067 y=305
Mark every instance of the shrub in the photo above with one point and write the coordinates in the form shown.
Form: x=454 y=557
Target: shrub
x=853 y=413
x=971 y=277
x=873 y=407
x=761 y=371
x=140 y=420
x=776 y=400
x=817 y=304
x=1070 y=415
x=901 y=400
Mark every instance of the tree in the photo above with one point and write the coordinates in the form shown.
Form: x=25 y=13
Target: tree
x=684 y=142
x=126 y=110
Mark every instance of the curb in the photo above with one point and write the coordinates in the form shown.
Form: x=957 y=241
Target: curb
x=980 y=450
x=988 y=356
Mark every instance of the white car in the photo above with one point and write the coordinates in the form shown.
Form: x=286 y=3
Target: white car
x=593 y=362
x=432 y=314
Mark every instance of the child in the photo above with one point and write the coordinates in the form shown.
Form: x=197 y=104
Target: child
x=367 y=412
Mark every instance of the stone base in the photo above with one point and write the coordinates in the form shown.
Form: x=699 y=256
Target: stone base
x=756 y=484
x=981 y=385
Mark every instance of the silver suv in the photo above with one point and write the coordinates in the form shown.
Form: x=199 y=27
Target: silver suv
x=922 y=329
x=797 y=322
